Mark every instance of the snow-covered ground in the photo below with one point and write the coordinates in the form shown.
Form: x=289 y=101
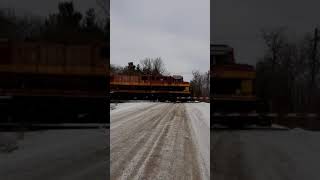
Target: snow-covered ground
x=265 y=154
x=56 y=154
x=160 y=140
x=199 y=114
x=129 y=106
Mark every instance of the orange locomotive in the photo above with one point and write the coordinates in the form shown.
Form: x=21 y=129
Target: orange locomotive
x=149 y=87
x=233 y=90
x=51 y=81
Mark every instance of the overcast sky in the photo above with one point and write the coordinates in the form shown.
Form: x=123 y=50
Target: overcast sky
x=178 y=31
x=238 y=23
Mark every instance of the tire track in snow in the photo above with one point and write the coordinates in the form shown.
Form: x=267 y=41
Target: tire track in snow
x=155 y=144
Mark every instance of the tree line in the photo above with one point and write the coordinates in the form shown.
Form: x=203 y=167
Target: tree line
x=147 y=66
x=200 y=84
x=67 y=25
x=288 y=73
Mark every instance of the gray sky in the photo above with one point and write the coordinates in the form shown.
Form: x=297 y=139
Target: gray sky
x=238 y=23
x=177 y=31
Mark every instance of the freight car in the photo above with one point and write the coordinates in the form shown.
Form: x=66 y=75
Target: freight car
x=149 y=87
x=233 y=90
x=44 y=82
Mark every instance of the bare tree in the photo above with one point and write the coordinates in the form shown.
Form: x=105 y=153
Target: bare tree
x=314 y=60
x=114 y=69
x=146 y=65
x=288 y=73
x=19 y=27
x=104 y=6
x=158 y=67
x=196 y=83
x=200 y=84
x=275 y=41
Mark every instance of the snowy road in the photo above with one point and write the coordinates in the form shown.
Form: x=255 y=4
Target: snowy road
x=57 y=154
x=158 y=141
x=263 y=155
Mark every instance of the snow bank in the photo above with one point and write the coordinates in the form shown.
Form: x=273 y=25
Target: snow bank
x=113 y=106
x=199 y=114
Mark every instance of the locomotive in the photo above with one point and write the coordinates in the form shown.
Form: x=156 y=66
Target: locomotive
x=149 y=87
x=44 y=82
x=233 y=97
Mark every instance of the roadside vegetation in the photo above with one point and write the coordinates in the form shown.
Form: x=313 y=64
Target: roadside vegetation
x=68 y=25
x=288 y=74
